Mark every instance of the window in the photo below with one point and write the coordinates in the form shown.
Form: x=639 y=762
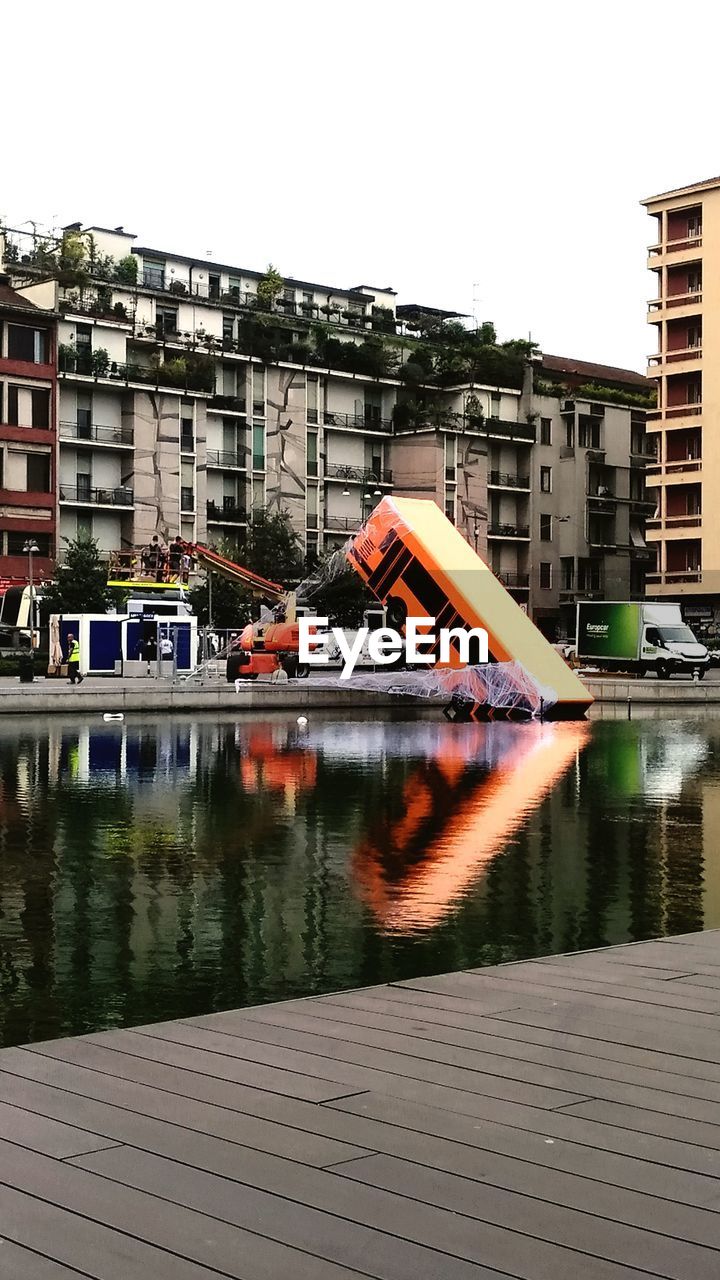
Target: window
x=306 y=305
x=450 y=457
x=16 y=543
x=373 y=407
x=258 y=383
x=567 y=573
x=312 y=506
x=546 y=479
x=235 y=287
x=545 y=575
x=38 y=473
x=214 y=286
x=40 y=407
x=187 y=498
x=154 y=273
x=25 y=343
x=258 y=493
x=694 y=281
x=84 y=525
x=589 y=432
x=312 y=453
x=258 y=437
x=694 y=335
x=187 y=435
x=495 y=402
x=546 y=430
x=28 y=406
x=83 y=346
x=312 y=399
x=545 y=528
x=228 y=331
x=589 y=576
x=167 y=320
x=450 y=509
x=570 y=433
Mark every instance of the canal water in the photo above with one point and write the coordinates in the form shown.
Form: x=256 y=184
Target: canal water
x=166 y=867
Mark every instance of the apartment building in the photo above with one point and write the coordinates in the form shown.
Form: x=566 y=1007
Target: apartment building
x=192 y=393
x=686 y=471
x=28 y=399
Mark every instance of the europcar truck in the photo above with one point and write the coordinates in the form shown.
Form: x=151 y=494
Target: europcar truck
x=624 y=636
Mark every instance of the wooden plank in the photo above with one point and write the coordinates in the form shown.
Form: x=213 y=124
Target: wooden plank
x=237 y=1127
x=459 y=985
x=584 y=1230
x=452 y=1245
x=201 y=1239
x=552 y=1047
x=614 y=980
x=52 y=1137
x=565 y=1125
x=361 y=1065
x=90 y=1248
x=481 y=1057
x=624 y=1030
x=642 y=1121
x=242 y=1072
x=19 y=1263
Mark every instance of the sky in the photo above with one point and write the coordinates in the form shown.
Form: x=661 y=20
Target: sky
x=485 y=158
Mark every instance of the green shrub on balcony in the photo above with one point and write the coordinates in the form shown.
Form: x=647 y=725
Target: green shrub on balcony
x=126 y=270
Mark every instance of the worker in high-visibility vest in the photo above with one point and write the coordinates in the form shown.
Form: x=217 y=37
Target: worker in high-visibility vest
x=74 y=660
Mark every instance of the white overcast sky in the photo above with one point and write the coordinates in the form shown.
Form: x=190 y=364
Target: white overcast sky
x=487 y=158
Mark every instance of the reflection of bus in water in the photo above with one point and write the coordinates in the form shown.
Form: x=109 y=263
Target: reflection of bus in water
x=418 y=564
x=415 y=870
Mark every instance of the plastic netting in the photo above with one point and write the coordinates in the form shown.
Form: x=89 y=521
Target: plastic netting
x=505 y=685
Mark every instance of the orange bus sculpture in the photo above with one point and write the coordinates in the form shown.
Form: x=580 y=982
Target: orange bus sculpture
x=418 y=564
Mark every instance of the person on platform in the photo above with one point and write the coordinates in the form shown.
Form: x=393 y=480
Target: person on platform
x=73 y=661
x=175 y=558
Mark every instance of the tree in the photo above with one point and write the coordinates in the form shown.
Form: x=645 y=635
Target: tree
x=80 y=584
x=337 y=592
x=272 y=547
x=270 y=287
x=231 y=603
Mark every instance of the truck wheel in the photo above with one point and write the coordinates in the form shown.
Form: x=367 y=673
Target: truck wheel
x=663 y=671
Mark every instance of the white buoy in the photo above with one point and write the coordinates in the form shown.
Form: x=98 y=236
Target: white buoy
x=302 y=720
x=113 y=715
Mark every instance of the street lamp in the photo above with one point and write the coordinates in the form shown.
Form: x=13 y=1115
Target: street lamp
x=31 y=548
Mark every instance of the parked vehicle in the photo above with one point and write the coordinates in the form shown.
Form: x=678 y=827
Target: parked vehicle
x=623 y=635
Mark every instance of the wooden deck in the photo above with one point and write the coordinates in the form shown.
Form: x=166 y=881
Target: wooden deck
x=549 y=1120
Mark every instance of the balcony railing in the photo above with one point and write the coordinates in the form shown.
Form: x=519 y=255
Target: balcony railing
x=503 y=480
x=357 y=421
x=229 y=512
x=107 y=497
x=522 y=431
x=343 y=524
x=225 y=458
x=508 y=531
x=100 y=434
x=230 y=404
x=602 y=504
x=682 y=464
x=360 y=475
x=89 y=366
x=514 y=581
x=675 y=576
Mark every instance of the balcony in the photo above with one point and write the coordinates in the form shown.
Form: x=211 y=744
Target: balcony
x=642 y=507
x=692 y=298
x=519 y=532
x=503 y=480
x=86 y=495
x=342 y=524
x=514 y=581
x=119 y=437
x=675 y=465
x=227 y=404
x=522 y=432
x=675 y=578
x=601 y=504
x=356 y=475
x=675 y=356
x=230 y=512
x=226 y=460
x=357 y=421
x=97 y=366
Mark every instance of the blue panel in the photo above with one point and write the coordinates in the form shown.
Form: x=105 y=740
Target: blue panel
x=105 y=645
x=133 y=637
x=182 y=645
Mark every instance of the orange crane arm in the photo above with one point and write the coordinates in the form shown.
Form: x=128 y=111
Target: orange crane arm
x=235 y=572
